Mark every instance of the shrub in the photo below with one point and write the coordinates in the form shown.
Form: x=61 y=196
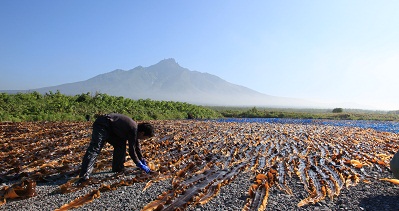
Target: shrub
x=58 y=107
x=337 y=110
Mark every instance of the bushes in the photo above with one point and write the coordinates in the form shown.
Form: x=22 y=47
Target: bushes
x=58 y=107
x=337 y=110
x=245 y=112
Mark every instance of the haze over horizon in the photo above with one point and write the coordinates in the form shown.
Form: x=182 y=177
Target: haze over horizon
x=340 y=51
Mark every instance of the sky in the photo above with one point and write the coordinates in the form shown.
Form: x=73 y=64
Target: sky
x=326 y=51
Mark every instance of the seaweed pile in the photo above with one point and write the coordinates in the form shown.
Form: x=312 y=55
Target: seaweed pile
x=200 y=157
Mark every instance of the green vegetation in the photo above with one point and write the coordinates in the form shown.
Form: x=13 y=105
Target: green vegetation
x=349 y=114
x=58 y=107
x=338 y=110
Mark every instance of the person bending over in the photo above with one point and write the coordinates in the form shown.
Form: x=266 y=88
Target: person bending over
x=116 y=129
x=394 y=165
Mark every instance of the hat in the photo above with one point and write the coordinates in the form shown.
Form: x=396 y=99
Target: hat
x=395 y=165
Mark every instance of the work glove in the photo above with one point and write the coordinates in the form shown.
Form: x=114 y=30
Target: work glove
x=143 y=162
x=144 y=167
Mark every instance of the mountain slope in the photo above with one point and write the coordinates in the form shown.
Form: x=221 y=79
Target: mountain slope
x=167 y=80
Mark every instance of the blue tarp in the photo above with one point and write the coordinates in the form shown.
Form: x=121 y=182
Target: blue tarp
x=385 y=126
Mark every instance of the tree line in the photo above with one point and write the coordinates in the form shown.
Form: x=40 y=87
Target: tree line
x=334 y=114
x=54 y=106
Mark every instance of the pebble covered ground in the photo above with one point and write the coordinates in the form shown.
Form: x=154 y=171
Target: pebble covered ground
x=376 y=196
x=182 y=150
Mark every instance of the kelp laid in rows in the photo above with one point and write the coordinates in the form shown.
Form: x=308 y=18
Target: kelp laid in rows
x=200 y=158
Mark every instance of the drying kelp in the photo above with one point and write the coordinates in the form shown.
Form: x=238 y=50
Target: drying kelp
x=200 y=158
x=21 y=190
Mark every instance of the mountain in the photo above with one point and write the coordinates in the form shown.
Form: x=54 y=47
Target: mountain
x=167 y=80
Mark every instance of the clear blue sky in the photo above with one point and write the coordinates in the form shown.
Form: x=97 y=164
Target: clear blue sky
x=328 y=51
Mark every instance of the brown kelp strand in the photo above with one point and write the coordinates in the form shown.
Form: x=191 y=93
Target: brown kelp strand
x=259 y=192
x=259 y=201
x=199 y=190
x=81 y=200
x=21 y=190
x=200 y=158
x=281 y=174
x=301 y=172
x=317 y=192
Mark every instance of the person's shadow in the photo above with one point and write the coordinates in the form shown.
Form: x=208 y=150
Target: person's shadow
x=380 y=203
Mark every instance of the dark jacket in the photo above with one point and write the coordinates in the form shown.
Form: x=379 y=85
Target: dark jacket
x=124 y=128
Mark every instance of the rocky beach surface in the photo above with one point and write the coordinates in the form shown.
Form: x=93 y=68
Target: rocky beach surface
x=319 y=167
x=376 y=195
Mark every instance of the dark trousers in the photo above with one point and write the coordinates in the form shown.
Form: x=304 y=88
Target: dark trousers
x=102 y=133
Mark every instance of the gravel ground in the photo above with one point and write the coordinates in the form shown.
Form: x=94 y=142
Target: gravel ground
x=377 y=195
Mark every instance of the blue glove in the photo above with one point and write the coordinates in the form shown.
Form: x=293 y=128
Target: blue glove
x=144 y=167
x=143 y=162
